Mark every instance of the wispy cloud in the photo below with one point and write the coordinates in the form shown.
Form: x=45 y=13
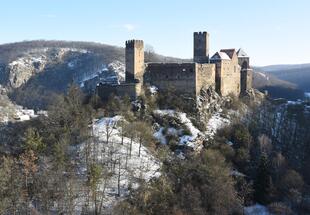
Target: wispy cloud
x=125 y=27
x=129 y=27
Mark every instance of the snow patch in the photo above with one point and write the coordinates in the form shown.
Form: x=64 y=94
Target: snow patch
x=215 y=122
x=256 y=209
x=113 y=73
x=189 y=140
x=153 y=89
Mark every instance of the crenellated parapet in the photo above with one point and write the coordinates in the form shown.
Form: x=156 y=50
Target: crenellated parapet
x=201 y=33
x=134 y=44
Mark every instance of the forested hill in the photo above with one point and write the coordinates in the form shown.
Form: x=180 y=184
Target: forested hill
x=294 y=79
x=32 y=71
x=297 y=74
x=276 y=87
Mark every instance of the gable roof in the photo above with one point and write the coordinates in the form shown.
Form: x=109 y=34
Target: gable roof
x=229 y=52
x=241 y=53
x=220 y=56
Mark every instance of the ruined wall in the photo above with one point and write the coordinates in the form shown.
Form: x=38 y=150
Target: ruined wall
x=205 y=76
x=134 y=60
x=180 y=77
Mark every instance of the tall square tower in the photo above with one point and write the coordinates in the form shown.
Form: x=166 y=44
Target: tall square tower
x=201 y=47
x=134 y=61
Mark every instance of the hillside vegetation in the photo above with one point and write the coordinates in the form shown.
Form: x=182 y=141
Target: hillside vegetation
x=276 y=86
x=34 y=71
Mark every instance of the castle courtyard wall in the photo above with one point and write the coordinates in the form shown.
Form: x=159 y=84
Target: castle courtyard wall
x=180 y=77
x=205 y=76
x=228 y=77
x=133 y=90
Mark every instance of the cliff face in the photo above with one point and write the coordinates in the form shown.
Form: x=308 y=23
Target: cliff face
x=33 y=62
x=31 y=75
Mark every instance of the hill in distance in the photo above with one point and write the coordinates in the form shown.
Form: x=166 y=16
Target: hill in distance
x=296 y=74
x=33 y=71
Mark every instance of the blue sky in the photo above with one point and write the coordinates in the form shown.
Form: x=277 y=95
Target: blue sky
x=270 y=31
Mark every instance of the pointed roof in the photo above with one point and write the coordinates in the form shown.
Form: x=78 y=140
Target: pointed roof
x=242 y=53
x=229 y=52
x=220 y=56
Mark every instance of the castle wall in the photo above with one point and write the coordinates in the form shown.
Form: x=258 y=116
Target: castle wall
x=228 y=77
x=179 y=77
x=186 y=78
x=133 y=90
x=205 y=76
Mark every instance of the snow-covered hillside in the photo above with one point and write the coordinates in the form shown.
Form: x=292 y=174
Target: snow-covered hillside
x=112 y=73
x=182 y=129
x=123 y=166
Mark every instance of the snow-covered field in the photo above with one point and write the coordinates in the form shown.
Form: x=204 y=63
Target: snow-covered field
x=124 y=170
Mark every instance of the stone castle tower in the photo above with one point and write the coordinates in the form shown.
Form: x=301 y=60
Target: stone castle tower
x=201 y=47
x=134 y=61
x=246 y=73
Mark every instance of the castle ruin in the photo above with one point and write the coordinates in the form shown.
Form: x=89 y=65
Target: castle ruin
x=228 y=71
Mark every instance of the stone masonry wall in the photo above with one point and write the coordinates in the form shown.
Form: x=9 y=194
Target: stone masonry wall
x=133 y=90
x=134 y=60
x=180 y=77
x=205 y=76
x=228 y=77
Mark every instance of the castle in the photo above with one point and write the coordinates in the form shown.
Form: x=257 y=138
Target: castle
x=227 y=70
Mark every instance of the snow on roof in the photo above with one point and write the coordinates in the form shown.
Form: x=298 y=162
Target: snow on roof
x=229 y=52
x=220 y=56
x=241 y=53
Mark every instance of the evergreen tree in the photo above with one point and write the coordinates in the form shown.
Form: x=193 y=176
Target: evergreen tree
x=262 y=183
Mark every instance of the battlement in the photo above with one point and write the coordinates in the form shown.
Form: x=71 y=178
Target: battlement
x=134 y=43
x=201 y=33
